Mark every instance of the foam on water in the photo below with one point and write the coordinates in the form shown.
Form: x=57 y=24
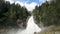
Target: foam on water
x=31 y=27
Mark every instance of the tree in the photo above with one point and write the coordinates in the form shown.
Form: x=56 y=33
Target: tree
x=49 y=13
x=11 y=13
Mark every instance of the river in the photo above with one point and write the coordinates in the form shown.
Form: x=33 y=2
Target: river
x=31 y=27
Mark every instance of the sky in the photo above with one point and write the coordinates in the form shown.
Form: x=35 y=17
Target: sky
x=29 y=4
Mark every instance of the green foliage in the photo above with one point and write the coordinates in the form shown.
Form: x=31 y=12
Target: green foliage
x=48 y=13
x=36 y=14
x=11 y=13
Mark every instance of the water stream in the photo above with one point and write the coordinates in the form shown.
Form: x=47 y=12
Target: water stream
x=31 y=27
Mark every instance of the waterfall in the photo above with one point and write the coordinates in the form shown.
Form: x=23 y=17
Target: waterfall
x=31 y=27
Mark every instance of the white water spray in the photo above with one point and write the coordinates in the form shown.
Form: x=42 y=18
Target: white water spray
x=31 y=27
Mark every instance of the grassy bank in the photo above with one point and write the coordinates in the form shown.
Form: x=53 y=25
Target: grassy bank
x=51 y=30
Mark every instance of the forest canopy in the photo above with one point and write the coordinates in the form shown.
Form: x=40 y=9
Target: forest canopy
x=48 y=13
x=12 y=14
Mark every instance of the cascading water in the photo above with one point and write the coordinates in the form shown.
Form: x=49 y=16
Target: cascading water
x=31 y=27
